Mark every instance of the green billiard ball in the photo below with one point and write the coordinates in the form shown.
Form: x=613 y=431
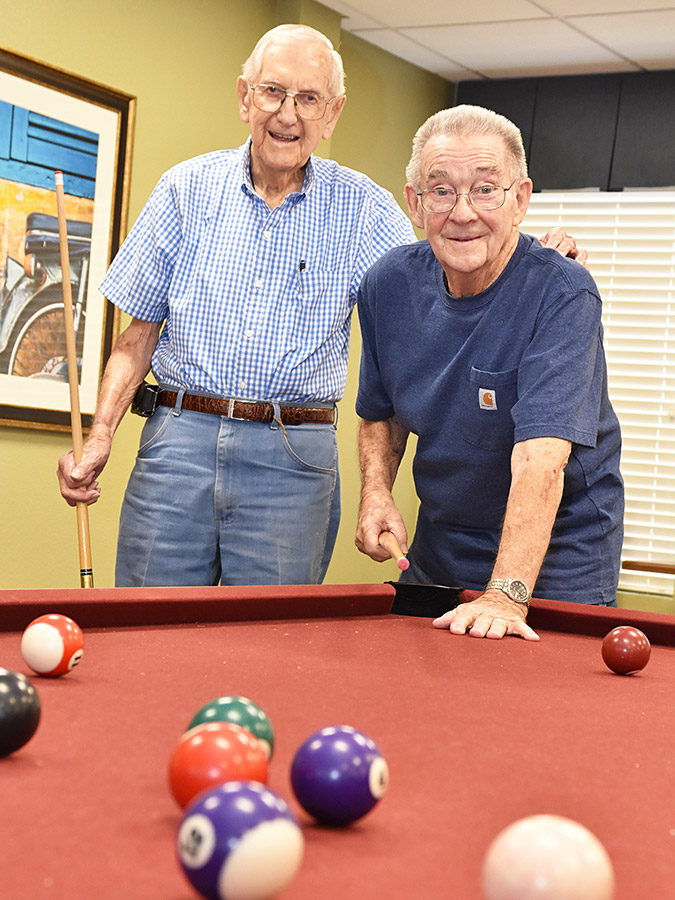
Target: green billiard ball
x=240 y=711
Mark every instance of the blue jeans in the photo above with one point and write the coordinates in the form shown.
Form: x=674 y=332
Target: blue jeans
x=215 y=500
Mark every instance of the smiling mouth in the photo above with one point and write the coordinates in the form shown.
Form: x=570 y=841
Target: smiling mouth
x=284 y=138
x=465 y=240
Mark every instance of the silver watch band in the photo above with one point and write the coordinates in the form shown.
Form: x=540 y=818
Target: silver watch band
x=514 y=588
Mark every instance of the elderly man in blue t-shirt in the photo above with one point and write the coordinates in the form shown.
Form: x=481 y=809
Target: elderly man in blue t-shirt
x=489 y=348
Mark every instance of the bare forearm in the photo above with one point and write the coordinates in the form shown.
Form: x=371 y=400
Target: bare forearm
x=537 y=478
x=127 y=366
x=538 y=468
x=381 y=448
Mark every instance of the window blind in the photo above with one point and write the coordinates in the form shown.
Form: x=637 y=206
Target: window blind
x=630 y=238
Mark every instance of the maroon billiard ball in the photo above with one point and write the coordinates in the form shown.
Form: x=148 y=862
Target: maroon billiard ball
x=626 y=650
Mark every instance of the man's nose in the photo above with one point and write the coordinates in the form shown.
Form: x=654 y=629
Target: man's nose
x=463 y=209
x=288 y=112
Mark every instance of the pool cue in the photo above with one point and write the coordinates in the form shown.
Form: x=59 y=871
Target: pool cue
x=84 y=544
x=391 y=545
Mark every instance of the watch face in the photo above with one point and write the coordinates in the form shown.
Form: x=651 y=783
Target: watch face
x=518 y=590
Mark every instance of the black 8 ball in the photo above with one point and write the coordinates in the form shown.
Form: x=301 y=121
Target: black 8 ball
x=19 y=711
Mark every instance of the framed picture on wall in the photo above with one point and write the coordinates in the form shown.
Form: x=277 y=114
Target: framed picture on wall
x=51 y=120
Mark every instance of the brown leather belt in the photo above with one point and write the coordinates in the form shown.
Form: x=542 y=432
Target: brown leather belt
x=244 y=409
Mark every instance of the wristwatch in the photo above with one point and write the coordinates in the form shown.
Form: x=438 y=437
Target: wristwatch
x=513 y=588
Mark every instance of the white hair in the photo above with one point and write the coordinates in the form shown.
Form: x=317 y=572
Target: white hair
x=468 y=120
x=296 y=34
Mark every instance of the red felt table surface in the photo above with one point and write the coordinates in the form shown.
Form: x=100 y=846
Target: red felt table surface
x=476 y=734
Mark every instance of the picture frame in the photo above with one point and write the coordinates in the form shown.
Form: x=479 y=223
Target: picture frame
x=52 y=120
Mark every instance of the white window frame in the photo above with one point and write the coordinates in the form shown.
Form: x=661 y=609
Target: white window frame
x=630 y=237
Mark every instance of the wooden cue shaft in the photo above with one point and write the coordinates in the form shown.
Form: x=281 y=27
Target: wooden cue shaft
x=83 y=541
x=391 y=545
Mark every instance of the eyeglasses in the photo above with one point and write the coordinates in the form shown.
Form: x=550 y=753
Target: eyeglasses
x=443 y=199
x=308 y=105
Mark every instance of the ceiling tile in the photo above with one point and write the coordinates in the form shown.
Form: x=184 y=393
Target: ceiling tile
x=404 y=13
x=645 y=37
x=591 y=7
x=416 y=53
x=517 y=49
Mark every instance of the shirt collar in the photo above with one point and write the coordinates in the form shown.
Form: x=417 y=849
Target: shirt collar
x=247 y=182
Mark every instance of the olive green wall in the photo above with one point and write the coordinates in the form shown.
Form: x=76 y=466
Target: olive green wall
x=180 y=58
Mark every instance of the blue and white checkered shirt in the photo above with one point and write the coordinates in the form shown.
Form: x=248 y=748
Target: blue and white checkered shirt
x=257 y=302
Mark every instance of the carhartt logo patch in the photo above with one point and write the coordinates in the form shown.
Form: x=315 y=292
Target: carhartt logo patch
x=487 y=398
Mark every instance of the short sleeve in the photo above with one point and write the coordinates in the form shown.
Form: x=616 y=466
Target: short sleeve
x=139 y=278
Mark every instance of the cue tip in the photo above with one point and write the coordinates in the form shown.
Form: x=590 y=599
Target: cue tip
x=391 y=545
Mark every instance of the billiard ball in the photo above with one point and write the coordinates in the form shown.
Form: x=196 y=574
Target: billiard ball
x=338 y=775
x=19 y=711
x=547 y=857
x=239 y=841
x=52 y=645
x=626 y=650
x=241 y=711
x=211 y=754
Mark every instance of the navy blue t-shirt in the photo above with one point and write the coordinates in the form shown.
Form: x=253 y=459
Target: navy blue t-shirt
x=471 y=377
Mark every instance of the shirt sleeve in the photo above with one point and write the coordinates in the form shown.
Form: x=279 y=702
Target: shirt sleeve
x=389 y=227
x=139 y=278
x=372 y=402
x=562 y=373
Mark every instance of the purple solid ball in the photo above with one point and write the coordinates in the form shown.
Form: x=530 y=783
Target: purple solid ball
x=338 y=775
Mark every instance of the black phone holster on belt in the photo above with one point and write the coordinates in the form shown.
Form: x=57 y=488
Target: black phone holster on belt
x=145 y=400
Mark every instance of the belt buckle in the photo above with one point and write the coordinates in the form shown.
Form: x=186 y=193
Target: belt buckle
x=230 y=410
x=264 y=406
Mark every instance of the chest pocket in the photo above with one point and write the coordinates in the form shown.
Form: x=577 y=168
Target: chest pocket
x=487 y=400
x=323 y=303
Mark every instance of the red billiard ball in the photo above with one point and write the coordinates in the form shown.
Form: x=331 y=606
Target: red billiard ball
x=626 y=650
x=52 y=644
x=211 y=754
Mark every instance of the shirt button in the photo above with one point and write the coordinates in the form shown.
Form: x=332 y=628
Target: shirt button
x=242 y=385
x=267 y=235
x=248 y=333
x=259 y=283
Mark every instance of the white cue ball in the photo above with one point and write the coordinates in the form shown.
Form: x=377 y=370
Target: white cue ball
x=547 y=857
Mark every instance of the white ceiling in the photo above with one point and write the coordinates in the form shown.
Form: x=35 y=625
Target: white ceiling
x=469 y=39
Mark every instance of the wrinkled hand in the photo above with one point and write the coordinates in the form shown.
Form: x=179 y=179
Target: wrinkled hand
x=378 y=513
x=492 y=615
x=78 y=483
x=558 y=239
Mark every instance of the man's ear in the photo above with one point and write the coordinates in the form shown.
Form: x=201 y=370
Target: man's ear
x=414 y=206
x=523 y=195
x=333 y=115
x=244 y=99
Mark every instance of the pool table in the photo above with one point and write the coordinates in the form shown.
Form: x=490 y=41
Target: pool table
x=477 y=734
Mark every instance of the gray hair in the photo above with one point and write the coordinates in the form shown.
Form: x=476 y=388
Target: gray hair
x=470 y=121
x=296 y=33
